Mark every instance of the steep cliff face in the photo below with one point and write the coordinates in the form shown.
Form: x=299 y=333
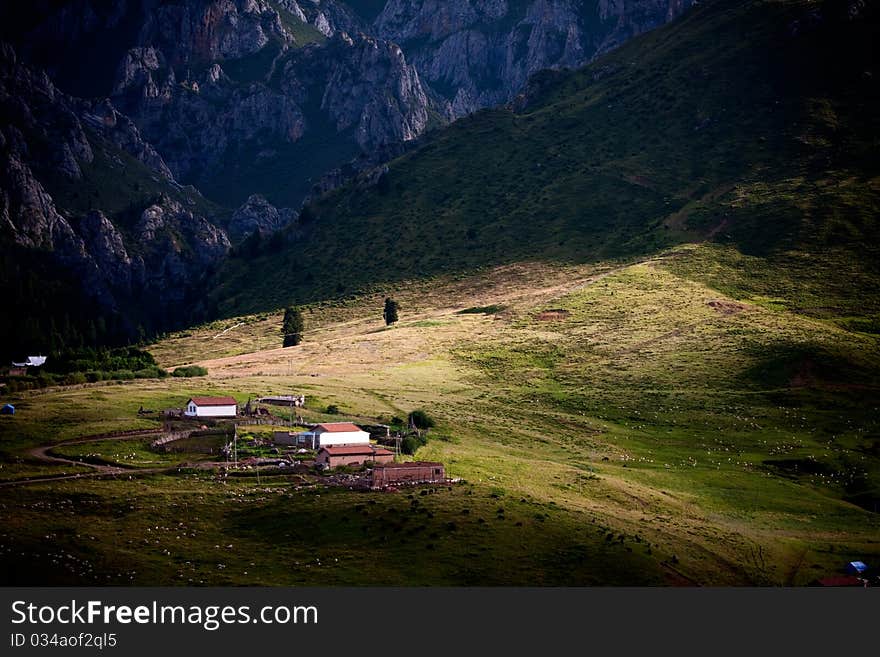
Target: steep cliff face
x=257 y=96
x=365 y=86
x=329 y=16
x=221 y=86
x=46 y=135
x=479 y=53
x=194 y=33
x=261 y=112
x=257 y=215
x=73 y=177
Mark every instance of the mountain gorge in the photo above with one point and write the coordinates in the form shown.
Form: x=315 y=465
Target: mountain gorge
x=264 y=97
x=69 y=166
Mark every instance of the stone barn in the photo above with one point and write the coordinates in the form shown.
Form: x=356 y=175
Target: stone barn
x=338 y=455
x=401 y=474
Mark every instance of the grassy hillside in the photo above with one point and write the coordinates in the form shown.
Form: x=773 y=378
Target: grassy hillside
x=750 y=123
x=614 y=425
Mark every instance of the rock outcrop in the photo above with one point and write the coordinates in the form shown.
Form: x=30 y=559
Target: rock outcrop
x=258 y=83
x=257 y=215
x=223 y=80
x=479 y=53
x=52 y=143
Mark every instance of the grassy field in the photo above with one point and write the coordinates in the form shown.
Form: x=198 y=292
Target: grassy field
x=613 y=424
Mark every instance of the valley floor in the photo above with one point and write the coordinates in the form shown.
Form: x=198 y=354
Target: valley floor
x=617 y=424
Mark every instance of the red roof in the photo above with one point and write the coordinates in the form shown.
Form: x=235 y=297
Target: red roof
x=213 y=401
x=412 y=464
x=338 y=427
x=355 y=450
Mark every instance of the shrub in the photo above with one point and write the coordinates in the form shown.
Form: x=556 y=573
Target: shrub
x=420 y=420
x=332 y=409
x=190 y=371
x=44 y=379
x=410 y=444
x=74 y=378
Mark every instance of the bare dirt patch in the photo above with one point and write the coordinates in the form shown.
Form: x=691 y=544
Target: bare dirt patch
x=553 y=315
x=727 y=307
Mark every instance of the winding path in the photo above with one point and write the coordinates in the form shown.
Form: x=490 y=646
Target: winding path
x=43 y=454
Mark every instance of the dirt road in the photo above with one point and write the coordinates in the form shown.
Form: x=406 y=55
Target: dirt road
x=42 y=454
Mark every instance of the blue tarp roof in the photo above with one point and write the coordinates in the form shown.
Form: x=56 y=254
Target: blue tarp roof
x=7 y=408
x=857 y=566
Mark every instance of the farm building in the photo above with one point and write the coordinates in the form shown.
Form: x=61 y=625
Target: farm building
x=415 y=472
x=324 y=435
x=340 y=433
x=337 y=455
x=840 y=580
x=856 y=567
x=32 y=361
x=211 y=407
x=294 y=401
x=297 y=439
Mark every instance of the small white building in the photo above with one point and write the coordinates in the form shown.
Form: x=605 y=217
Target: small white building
x=211 y=407
x=32 y=361
x=339 y=433
x=324 y=435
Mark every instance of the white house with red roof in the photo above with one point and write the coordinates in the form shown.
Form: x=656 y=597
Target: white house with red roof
x=211 y=407
x=325 y=435
x=340 y=433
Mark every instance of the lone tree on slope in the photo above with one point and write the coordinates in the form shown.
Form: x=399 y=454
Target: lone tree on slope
x=390 y=311
x=292 y=327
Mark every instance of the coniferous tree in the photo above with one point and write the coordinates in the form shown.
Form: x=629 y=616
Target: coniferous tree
x=390 y=311
x=292 y=327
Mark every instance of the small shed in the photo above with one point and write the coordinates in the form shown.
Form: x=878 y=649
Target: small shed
x=856 y=567
x=7 y=409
